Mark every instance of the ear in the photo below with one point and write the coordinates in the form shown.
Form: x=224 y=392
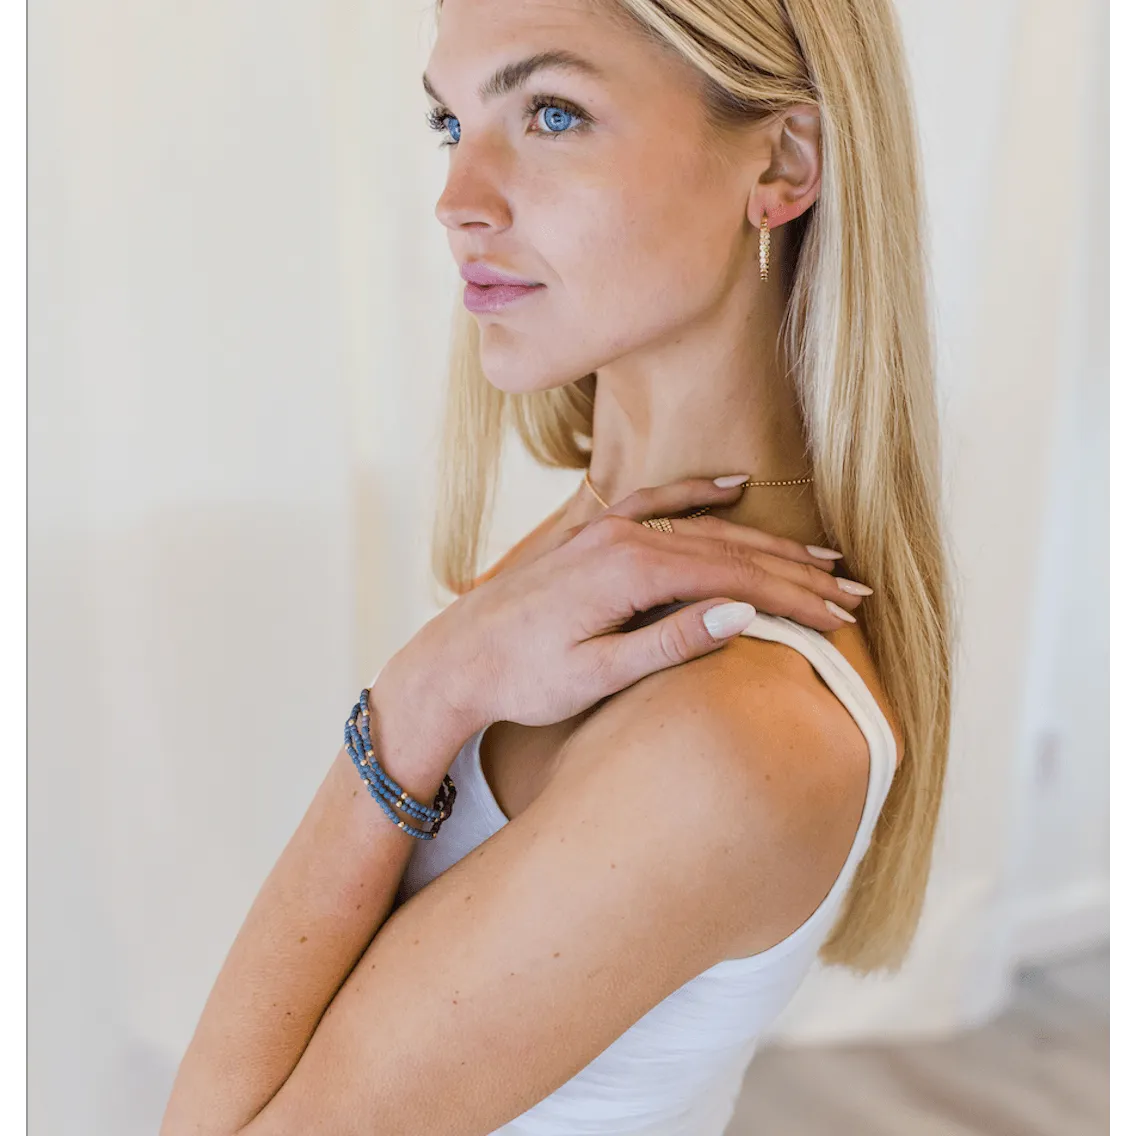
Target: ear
x=789 y=184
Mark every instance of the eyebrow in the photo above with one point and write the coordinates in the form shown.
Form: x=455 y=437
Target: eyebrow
x=513 y=75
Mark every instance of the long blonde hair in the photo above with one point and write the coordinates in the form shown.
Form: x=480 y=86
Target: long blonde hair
x=859 y=342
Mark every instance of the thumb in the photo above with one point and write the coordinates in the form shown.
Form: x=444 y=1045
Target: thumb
x=695 y=629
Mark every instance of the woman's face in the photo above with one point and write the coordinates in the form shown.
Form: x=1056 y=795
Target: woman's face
x=596 y=178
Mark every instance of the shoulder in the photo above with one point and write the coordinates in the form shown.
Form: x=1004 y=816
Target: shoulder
x=751 y=708
x=699 y=815
x=754 y=759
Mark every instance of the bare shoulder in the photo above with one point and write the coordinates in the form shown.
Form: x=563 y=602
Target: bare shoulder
x=765 y=759
x=701 y=814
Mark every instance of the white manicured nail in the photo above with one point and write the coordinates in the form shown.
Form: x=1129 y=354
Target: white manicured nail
x=853 y=587
x=823 y=553
x=839 y=612
x=731 y=481
x=728 y=619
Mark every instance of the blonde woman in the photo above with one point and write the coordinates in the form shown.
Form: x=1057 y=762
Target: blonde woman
x=689 y=232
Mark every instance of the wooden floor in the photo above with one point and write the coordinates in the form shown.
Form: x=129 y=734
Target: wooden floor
x=1039 y=1070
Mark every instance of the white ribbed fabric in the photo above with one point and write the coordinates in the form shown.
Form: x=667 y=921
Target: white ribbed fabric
x=678 y=1070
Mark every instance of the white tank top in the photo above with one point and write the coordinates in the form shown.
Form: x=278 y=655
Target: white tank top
x=678 y=1070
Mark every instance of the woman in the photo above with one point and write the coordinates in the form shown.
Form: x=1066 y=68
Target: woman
x=690 y=235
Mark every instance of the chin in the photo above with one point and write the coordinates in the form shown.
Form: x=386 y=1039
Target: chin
x=515 y=367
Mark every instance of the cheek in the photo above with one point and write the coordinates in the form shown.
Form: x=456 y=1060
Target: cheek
x=632 y=251
x=651 y=251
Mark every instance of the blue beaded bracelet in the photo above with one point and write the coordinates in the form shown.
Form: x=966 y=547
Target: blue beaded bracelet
x=382 y=787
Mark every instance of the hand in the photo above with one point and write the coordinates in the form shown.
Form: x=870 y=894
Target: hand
x=541 y=642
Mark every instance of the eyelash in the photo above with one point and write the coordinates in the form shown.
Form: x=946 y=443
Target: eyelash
x=437 y=116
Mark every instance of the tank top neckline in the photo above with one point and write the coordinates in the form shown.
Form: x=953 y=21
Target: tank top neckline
x=845 y=682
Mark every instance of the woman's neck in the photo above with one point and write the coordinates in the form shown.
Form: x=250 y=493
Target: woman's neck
x=714 y=399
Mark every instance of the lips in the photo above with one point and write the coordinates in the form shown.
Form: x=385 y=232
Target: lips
x=488 y=290
x=475 y=272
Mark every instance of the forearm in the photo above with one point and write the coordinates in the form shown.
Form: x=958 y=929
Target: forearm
x=328 y=894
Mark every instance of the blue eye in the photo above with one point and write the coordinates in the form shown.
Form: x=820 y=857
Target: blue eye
x=441 y=120
x=555 y=119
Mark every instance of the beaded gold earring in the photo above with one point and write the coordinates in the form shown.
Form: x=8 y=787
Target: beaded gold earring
x=763 y=247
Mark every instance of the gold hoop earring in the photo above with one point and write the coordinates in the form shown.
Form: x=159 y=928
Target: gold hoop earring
x=763 y=247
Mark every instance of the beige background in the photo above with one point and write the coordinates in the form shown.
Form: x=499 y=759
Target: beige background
x=239 y=300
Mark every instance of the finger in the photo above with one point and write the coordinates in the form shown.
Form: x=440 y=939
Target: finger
x=693 y=492
x=687 y=569
x=674 y=497
x=686 y=634
x=781 y=546
x=839 y=589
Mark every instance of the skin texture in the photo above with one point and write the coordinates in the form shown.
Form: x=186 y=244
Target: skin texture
x=700 y=814
x=642 y=225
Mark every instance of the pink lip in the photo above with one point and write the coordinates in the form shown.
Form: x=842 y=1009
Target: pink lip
x=488 y=290
x=475 y=272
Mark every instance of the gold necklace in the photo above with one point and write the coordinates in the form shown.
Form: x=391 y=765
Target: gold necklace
x=705 y=508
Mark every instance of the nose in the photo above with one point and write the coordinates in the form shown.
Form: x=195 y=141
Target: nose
x=474 y=197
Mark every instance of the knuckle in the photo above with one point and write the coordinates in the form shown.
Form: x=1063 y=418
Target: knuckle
x=621 y=555
x=745 y=563
x=631 y=558
x=817 y=580
x=639 y=500
x=607 y=529
x=674 y=643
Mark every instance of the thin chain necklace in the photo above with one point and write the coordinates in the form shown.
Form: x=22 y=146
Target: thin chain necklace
x=705 y=508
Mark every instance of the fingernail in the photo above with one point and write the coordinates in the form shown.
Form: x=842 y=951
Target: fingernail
x=731 y=481
x=728 y=619
x=823 y=553
x=839 y=612
x=852 y=587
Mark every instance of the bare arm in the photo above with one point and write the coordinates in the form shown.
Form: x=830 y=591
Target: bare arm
x=308 y=1028
x=328 y=894
x=652 y=854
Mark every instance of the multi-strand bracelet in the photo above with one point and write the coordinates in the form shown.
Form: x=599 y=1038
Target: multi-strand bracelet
x=383 y=788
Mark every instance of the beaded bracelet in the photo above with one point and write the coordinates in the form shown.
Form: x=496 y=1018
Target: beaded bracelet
x=383 y=788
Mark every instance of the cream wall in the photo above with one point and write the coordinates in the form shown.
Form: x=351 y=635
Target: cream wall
x=239 y=302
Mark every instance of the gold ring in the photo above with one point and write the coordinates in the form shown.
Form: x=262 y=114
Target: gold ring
x=660 y=524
